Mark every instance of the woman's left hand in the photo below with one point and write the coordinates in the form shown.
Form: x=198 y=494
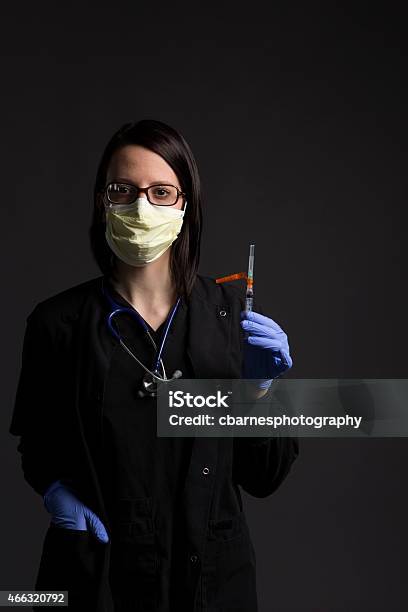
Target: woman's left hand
x=266 y=349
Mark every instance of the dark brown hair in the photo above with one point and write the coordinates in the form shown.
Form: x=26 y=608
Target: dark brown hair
x=172 y=147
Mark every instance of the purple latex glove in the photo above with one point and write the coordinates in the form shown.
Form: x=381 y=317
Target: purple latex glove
x=266 y=349
x=70 y=513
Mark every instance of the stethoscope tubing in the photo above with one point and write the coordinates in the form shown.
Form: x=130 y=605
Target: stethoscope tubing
x=117 y=309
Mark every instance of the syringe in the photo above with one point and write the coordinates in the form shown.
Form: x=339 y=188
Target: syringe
x=250 y=279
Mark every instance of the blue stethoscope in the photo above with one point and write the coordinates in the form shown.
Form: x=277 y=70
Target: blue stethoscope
x=152 y=377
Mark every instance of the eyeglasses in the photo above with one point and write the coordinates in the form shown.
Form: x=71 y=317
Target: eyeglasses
x=159 y=195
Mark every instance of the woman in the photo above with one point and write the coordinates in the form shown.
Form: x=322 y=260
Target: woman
x=140 y=522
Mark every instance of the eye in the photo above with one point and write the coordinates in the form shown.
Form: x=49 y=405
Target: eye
x=120 y=188
x=161 y=192
x=163 y=195
x=121 y=193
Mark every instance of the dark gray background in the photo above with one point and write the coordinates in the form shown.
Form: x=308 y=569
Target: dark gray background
x=297 y=118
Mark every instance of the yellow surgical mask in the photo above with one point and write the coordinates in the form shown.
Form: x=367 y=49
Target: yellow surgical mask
x=139 y=233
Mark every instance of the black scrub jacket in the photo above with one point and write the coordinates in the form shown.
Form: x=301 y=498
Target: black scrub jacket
x=67 y=354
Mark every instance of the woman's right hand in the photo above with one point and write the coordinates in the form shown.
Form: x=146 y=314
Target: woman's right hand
x=70 y=513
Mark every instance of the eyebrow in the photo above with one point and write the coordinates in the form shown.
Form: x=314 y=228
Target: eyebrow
x=119 y=179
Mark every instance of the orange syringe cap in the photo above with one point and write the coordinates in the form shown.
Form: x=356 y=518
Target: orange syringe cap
x=232 y=277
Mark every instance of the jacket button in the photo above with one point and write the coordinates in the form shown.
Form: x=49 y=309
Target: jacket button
x=223 y=313
x=206 y=470
x=194 y=558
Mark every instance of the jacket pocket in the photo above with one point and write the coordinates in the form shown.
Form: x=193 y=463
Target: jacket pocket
x=134 y=560
x=227 y=529
x=229 y=579
x=71 y=561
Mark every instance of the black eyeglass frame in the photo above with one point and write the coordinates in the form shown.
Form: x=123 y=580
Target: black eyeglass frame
x=143 y=190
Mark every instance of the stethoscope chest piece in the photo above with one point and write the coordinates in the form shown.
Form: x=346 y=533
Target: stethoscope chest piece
x=149 y=386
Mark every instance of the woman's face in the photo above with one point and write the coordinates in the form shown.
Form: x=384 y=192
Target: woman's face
x=141 y=167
